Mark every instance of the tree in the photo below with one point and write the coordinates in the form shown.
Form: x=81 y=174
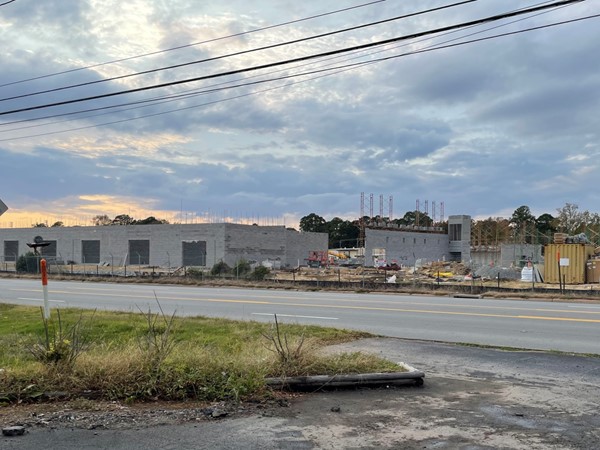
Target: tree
x=570 y=220
x=410 y=219
x=101 y=220
x=521 y=221
x=546 y=227
x=313 y=223
x=490 y=232
x=341 y=232
x=57 y=224
x=39 y=225
x=123 y=219
x=150 y=221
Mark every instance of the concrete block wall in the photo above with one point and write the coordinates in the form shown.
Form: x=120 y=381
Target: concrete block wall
x=166 y=246
x=224 y=242
x=517 y=254
x=272 y=243
x=405 y=247
x=299 y=244
x=253 y=243
x=460 y=248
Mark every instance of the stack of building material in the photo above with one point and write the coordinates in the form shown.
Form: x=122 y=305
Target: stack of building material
x=560 y=238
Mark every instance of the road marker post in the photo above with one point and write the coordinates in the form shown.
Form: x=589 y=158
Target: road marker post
x=45 y=288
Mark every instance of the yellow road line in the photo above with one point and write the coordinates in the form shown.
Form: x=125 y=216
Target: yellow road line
x=359 y=308
x=282 y=297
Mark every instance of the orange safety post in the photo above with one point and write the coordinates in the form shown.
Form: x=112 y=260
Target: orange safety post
x=44 y=270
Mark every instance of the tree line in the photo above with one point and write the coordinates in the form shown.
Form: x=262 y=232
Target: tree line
x=103 y=220
x=346 y=233
x=522 y=226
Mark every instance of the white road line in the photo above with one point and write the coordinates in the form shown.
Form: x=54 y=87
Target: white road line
x=290 y=315
x=40 y=300
x=584 y=307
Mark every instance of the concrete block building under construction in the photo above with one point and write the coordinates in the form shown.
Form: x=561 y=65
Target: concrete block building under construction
x=164 y=245
x=203 y=245
x=404 y=246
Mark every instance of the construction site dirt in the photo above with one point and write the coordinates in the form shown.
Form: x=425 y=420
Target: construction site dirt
x=438 y=278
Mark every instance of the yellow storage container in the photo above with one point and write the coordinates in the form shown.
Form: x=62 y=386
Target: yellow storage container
x=593 y=271
x=573 y=259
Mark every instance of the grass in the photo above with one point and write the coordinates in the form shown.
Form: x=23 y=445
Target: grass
x=145 y=356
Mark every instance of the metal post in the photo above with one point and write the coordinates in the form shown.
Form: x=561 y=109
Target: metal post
x=560 y=286
x=45 y=289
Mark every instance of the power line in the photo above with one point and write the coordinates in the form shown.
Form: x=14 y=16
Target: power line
x=6 y=3
x=194 y=92
x=300 y=59
x=338 y=70
x=208 y=41
x=238 y=53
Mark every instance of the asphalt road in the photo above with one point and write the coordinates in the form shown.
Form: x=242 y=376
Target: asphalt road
x=569 y=327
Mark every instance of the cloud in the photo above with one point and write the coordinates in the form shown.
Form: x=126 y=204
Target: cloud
x=484 y=127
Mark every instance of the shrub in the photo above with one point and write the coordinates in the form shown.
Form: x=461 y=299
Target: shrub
x=197 y=274
x=220 y=268
x=28 y=263
x=241 y=268
x=259 y=273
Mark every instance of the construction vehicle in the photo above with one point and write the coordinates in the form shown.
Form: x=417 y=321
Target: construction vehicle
x=318 y=258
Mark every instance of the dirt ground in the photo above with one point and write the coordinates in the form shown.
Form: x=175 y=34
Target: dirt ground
x=473 y=398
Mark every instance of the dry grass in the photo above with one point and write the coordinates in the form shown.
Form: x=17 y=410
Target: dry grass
x=147 y=357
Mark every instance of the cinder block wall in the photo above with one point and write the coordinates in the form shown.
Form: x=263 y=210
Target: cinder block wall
x=270 y=243
x=299 y=244
x=253 y=243
x=406 y=247
x=460 y=249
x=224 y=242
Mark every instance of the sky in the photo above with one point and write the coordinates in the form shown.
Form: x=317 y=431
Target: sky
x=480 y=128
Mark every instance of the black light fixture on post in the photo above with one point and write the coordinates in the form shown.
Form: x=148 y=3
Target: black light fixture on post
x=38 y=242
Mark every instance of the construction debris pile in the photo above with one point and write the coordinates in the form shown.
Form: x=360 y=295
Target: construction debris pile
x=438 y=272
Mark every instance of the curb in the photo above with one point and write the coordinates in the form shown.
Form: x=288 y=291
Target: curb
x=467 y=296
x=354 y=380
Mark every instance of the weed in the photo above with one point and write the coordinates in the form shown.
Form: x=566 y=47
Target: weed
x=157 y=342
x=168 y=358
x=289 y=354
x=60 y=344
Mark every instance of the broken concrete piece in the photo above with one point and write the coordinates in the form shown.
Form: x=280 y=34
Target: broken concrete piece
x=13 y=431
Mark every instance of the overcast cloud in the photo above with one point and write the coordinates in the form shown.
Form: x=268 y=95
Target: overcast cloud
x=484 y=127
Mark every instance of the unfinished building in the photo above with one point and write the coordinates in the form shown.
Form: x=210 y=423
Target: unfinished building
x=164 y=245
x=405 y=246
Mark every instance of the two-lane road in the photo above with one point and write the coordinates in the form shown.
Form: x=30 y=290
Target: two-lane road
x=570 y=327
